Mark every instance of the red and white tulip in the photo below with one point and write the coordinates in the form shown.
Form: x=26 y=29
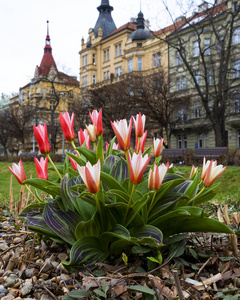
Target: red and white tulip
x=83 y=136
x=137 y=165
x=18 y=171
x=91 y=176
x=67 y=126
x=123 y=133
x=41 y=135
x=139 y=124
x=156 y=176
x=41 y=167
x=157 y=146
x=96 y=118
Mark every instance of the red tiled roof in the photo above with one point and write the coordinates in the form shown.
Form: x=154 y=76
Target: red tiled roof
x=129 y=25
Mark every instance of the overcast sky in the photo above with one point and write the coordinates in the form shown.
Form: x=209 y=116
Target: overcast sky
x=23 y=31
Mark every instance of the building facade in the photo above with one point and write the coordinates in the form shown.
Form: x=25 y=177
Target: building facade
x=203 y=65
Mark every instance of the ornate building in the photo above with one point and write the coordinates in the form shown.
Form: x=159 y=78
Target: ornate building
x=41 y=100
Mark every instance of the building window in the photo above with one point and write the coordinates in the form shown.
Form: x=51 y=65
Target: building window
x=156 y=60
x=184 y=83
x=220 y=43
x=85 y=60
x=209 y=78
x=195 y=49
x=182 y=114
x=94 y=79
x=139 y=63
x=106 y=56
x=237 y=106
x=202 y=141
x=130 y=65
x=179 y=141
x=51 y=105
x=94 y=59
x=130 y=90
x=118 y=50
x=235 y=6
x=197 y=77
x=28 y=94
x=236 y=36
x=106 y=75
x=185 y=141
x=55 y=121
x=236 y=69
x=85 y=81
x=207 y=46
x=181 y=83
x=178 y=59
x=197 y=110
x=118 y=71
x=139 y=45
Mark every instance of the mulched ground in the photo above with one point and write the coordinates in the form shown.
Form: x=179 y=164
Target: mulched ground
x=198 y=266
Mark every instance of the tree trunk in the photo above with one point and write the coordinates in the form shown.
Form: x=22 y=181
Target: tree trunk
x=220 y=135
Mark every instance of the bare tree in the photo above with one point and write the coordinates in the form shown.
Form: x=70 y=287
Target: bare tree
x=206 y=44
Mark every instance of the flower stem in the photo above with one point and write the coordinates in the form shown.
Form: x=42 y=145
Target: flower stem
x=129 y=203
x=202 y=190
x=34 y=196
x=49 y=158
x=138 y=145
x=99 y=208
x=74 y=147
x=151 y=204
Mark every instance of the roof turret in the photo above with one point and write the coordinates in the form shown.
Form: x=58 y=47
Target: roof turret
x=47 y=60
x=105 y=20
x=140 y=34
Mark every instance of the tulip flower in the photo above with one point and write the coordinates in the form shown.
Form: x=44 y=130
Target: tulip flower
x=74 y=163
x=123 y=133
x=114 y=147
x=91 y=129
x=41 y=166
x=91 y=176
x=137 y=166
x=84 y=136
x=212 y=173
x=156 y=176
x=139 y=124
x=157 y=146
x=18 y=171
x=205 y=167
x=42 y=138
x=96 y=118
x=142 y=141
x=193 y=171
x=67 y=126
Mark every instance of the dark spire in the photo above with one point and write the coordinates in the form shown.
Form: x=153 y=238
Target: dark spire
x=140 y=21
x=105 y=20
x=47 y=60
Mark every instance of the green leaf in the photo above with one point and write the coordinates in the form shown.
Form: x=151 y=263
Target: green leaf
x=62 y=223
x=45 y=186
x=119 y=171
x=90 y=155
x=141 y=289
x=192 y=224
x=109 y=150
x=109 y=162
x=135 y=209
x=142 y=233
x=99 y=153
x=111 y=182
x=100 y=293
x=78 y=294
x=89 y=228
x=206 y=195
x=86 y=250
x=79 y=160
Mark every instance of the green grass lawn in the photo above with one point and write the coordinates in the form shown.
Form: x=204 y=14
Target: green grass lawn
x=229 y=187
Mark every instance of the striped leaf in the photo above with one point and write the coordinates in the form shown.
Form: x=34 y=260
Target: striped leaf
x=61 y=222
x=147 y=235
x=45 y=186
x=87 y=250
x=120 y=171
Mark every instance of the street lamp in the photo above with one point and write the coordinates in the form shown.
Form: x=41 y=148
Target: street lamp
x=63 y=140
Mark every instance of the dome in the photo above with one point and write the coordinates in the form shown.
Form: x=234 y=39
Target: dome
x=140 y=34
